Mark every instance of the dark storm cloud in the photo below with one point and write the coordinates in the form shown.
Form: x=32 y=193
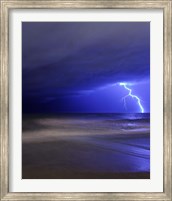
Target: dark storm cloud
x=66 y=57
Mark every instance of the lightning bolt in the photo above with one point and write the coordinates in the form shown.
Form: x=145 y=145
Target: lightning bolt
x=131 y=95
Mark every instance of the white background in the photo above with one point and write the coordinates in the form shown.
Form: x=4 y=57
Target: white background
x=155 y=184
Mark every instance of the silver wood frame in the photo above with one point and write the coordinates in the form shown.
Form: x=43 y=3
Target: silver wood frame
x=6 y=5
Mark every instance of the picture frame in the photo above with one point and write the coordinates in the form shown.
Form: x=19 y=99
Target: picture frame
x=6 y=6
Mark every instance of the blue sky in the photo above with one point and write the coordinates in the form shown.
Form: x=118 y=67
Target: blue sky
x=77 y=66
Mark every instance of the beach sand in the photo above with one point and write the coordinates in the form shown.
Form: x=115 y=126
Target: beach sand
x=65 y=147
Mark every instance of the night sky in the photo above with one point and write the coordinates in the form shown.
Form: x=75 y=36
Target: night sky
x=76 y=67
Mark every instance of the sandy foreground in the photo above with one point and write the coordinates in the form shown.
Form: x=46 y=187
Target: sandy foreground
x=73 y=148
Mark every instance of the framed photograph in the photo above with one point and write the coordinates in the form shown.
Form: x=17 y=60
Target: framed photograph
x=86 y=100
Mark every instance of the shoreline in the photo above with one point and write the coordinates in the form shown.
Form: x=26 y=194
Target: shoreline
x=83 y=149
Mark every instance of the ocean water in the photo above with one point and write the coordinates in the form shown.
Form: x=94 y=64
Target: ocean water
x=86 y=146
